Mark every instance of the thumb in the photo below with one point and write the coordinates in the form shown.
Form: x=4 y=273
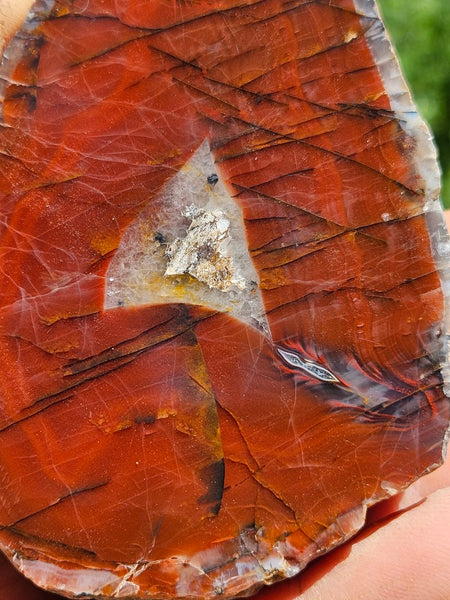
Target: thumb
x=12 y=15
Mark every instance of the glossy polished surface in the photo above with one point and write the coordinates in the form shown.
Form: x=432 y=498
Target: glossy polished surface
x=221 y=311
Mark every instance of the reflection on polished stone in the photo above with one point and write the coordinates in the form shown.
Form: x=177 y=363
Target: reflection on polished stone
x=222 y=310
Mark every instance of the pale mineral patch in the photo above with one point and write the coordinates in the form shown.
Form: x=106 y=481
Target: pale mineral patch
x=192 y=249
x=204 y=251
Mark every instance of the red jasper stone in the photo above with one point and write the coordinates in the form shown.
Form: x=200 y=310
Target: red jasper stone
x=221 y=321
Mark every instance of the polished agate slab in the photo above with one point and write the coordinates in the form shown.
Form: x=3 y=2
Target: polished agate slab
x=222 y=311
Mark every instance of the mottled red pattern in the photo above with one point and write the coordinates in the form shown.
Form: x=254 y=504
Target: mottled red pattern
x=148 y=433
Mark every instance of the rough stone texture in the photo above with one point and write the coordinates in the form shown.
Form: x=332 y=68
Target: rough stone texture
x=175 y=431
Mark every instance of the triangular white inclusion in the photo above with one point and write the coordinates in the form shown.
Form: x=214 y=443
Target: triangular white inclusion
x=192 y=251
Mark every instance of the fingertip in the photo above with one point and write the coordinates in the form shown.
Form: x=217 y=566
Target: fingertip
x=447 y=218
x=12 y=15
x=406 y=559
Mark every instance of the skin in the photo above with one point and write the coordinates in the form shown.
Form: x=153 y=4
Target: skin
x=404 y=552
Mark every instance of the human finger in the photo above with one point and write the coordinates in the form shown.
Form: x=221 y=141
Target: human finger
x=12 y=15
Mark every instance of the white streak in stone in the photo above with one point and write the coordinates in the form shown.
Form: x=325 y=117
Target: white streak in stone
x=76 y=581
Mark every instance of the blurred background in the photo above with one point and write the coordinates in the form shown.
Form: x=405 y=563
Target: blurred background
x=420 y=31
